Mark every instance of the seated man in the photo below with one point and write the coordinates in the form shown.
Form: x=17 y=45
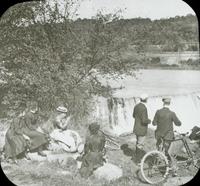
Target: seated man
x=93 y=151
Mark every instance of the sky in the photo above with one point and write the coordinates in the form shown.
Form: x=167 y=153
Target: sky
x=153 y=9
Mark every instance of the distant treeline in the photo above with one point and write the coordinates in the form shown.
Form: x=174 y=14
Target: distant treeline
x=173 y=34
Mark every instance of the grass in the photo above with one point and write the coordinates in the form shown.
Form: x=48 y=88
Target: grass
x=34 y=173
x=46 y=173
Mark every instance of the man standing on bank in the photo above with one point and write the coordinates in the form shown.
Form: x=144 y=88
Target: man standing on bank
x=164 y=120
x=141 y=125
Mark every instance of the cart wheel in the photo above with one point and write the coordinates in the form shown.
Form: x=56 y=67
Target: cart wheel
x=154 y=167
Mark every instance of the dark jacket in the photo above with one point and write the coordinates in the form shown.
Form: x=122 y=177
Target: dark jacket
x=93 y=154
x=164 y=119
x=15 y=143
x=29 y=128
x=141 y=119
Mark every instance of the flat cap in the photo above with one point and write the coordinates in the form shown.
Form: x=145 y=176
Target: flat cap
x=143 y=96
x=166 y=100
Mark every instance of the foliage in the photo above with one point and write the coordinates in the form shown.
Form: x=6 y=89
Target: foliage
x=180 y=32
x=49 y=57
x=52 y=62
x=191 y=63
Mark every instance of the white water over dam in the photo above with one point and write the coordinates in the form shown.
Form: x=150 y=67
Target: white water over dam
x=182 y=86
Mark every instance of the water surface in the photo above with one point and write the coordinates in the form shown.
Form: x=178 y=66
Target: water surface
x=183 y=86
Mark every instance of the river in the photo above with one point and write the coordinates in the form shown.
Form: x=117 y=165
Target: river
x=183 y=86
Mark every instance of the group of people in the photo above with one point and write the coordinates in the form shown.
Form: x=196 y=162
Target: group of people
x=22 y=136
x=164 y=120
x=25 y=135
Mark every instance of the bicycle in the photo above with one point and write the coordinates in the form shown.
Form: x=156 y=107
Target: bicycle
x=111 y=142
x=155 y=167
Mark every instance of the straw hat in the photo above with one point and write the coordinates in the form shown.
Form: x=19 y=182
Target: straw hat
x=62 y=109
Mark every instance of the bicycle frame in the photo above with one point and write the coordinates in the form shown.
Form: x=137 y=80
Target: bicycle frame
x=170 y=164
x=190 y=158
x=185 y=145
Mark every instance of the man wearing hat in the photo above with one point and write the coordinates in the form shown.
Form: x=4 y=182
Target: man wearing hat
x=141 y=125
x=164 y=120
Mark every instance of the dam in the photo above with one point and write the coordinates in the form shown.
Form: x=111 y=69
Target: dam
x=183 y=86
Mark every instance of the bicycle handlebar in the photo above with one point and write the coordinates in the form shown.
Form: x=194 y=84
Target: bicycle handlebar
x=182 y=134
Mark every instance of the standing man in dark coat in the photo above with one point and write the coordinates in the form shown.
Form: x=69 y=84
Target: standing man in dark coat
x=164 y=120
x=141 y=125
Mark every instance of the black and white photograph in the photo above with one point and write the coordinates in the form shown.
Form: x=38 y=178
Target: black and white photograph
x=99 y=93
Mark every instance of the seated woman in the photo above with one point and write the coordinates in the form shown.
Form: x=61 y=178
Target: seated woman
x=38 y=140
x=15 y=143
x=93 y=151
x=63 y=138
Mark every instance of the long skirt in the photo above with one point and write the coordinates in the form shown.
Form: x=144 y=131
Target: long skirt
x=15 y=144
x=91 y=162
x=37 y=139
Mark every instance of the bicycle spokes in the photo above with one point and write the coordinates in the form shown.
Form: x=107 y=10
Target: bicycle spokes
x=154 y=167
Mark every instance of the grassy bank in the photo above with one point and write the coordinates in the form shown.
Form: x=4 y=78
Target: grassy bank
x=40 y=173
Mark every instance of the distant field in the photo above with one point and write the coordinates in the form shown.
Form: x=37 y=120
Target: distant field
x=185 y=54
x=175 y=57
x=165 y=60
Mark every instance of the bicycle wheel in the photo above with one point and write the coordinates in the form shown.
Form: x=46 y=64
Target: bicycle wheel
x=154 y=167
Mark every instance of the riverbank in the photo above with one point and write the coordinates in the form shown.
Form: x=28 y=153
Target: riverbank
x=169 y=67
x=55 y=173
